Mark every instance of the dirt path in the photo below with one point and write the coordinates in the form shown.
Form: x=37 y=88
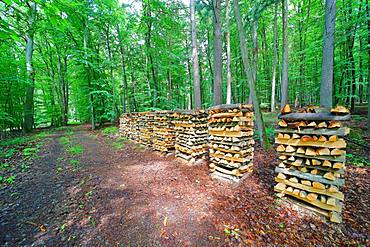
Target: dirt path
x=134 y=197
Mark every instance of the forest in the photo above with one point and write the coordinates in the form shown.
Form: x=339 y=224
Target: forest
x=89 y=61
x=115 y=116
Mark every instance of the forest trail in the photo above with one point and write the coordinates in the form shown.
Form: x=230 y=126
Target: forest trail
x=128 y=195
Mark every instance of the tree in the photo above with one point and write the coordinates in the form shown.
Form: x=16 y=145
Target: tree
x=228 y=55
x=247 y=71
x=326 y=88
x=284 y=82
x=273 y=81
x=28 y=106
x=217 y=52
x=197 y=96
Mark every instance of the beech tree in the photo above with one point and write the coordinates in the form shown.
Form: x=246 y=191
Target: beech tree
x=326 y=88
x=197 y=96
x=217 y=52
x=284 y=82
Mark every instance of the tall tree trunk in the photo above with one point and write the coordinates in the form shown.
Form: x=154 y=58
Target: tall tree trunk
x=217 y=52
x=197 y=97
x=368 y=64
x=124 y=75
x=254 y=58
x=284 y=82
x=273 y=82
x=89 y=76
x=28 y=105
x=326 y=88
x=111 y=74
x=148 y=40
x=247 y=70
x=228 y=55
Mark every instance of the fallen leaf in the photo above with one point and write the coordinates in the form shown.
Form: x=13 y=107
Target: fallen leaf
x=165 y=221
x=42 y=228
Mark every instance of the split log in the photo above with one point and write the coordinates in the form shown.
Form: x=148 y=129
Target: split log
x=313 y=117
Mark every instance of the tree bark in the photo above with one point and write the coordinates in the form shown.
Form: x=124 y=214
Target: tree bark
x=217 y=52
x=111 y=73
x=124 y=75
x=273 y=82
x=28 y=105
x=197 y=97
x=88 y=75
x=326 y=88
x=284 y=82
x=247 y=70
x=228 y=55
x=368 y=64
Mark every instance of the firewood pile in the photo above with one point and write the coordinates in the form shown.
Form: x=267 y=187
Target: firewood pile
x=129 y=127
x=146 y=125
x=164 y=134
x=123 y=124
x=312 y=155
x=230 y=129
x=191 y=135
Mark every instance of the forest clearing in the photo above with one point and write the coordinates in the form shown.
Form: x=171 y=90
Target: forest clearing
x=184 y=123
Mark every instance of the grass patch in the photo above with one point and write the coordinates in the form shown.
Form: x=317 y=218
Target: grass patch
x=30 y=152
x=110 y=130
x=64 y=140
x=7 y=180
x=16 y=141
x=76 y=149
x=75 y=164
x=118 y=145
x=357 y=160
x=8 y=153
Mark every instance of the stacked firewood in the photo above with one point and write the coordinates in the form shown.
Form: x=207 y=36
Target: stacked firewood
x=312 y=154
x=191 y=135
x=124 y=124
x=164 y=134
x=230 y=129
x=133 y=127
x=146 y=125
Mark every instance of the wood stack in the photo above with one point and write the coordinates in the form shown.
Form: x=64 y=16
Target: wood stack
x=230 y=129
x=312 y=159
x=146 y=125
x=191 y=135
x=124 y=124
x=164 y=134
x=133 y=127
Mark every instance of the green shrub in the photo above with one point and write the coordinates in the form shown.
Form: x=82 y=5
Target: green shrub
x=76 y=150
x=110 y=130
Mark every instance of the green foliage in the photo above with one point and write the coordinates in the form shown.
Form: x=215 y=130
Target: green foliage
x=4 y=166
x=8 y=153
x=30 y=152
x=9 y=180
x=64 y=140
x=357 y=160
x=76 y=149
x=110 y=130
x=75 y=164
x=118 y=145
x=16 y=141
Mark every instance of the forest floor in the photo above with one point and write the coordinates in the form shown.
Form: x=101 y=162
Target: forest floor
x=75 y=186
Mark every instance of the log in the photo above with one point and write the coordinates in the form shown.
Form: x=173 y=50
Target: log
x=297 y=142
x=335 y=217
x=338 y=195
x=313 y=117
x=341 y=158
x=336 y=208
x=306 y=176
x=328 y=132
x=286 y=109
x=340 y=110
